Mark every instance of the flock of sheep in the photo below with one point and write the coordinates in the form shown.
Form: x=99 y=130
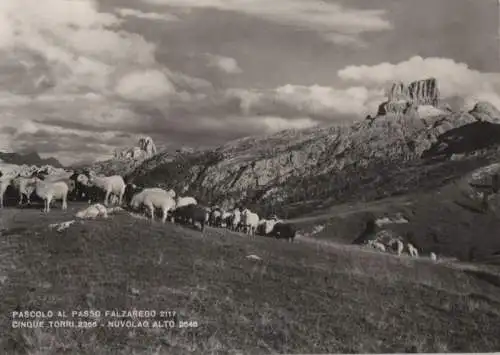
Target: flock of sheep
x=113 y=189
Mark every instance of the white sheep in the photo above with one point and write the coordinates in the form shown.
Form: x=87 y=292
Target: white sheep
x=216 y=217
x=93 y=211
x=184 y=201
x=110 y=184
x=5 y=181
x=25 y=186
x=236 y=219
x=154 y=198
x=249 y=221
x=412 y=250
x=267 y=225
x=225 y=218
x=49 y=191
x=433 y=256
x=399 y=246
x=376 y=245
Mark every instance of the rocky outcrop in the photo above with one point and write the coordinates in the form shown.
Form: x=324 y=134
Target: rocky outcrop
x=145 y=149
x=485 y=112
x=402 y=99
x=302 y=166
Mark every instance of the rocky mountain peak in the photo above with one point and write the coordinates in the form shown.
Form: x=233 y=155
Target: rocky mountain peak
x=403 y=99
x=144 y=150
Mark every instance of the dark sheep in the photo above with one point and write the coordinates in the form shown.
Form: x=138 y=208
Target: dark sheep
x=284 y=231
x=190 y=214
x=82 y=192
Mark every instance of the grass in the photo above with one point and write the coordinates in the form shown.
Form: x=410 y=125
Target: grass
x=299 y=298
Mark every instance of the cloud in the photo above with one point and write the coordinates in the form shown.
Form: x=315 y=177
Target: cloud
x=225 y=64
x=125 y=12
x=326 y=18
x=70 y=145
x=454 y=79
x=326 y=103
x=144 y=86
x=79 y=47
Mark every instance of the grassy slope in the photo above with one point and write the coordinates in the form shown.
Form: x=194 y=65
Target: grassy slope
x=301 y=297
x=442 y=220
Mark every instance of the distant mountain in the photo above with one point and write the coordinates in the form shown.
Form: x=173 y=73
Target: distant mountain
x=29 y=159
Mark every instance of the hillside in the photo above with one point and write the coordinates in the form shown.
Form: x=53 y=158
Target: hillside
x=295 y=171
x=28 y=159
x=296 y=299
x=415 y=147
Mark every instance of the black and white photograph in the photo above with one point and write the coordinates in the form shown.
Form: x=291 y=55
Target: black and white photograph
x=249 y=176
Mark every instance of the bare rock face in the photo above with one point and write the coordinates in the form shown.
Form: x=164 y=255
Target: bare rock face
x=402 y=99
x=485 y=112
x=147 y=145
x=145 y=149
x=424 y=92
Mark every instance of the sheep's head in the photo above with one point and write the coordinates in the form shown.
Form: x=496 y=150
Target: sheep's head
x=134 y=203
x=82 y=179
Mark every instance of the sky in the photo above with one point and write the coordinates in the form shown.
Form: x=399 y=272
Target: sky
x=81 y=78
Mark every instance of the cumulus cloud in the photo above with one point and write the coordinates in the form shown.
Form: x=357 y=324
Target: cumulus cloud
x=454 y=79
x=144 y=85
x=225 y=64
x=79 y=46
x=126 y=12
x=314 y=101
x=326 y=18
x=71 y=144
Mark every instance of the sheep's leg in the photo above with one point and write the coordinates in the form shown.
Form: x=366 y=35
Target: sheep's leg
x=106 y=198
x=164 y=216
x=64 y=203
x=152 y=211
x=20 y=198
x=1 y=201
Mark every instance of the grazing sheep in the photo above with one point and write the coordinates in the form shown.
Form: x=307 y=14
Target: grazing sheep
x=412 y=250
x=433 y=256
x=236 y=219
x=154 y=198
x=49 y=191
x=184 y=201
x=226 y=219
x=84 y=191
x=249 y=221
x=110 y=184
x=376 y=245
x=216 y=217
x=130 y=191
x=5 y=181
x=207 y=215
x=25 y=186
x=266 y=226
x=396 y=245
x=93 y=211
x=283 y=230
x=191 y=214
